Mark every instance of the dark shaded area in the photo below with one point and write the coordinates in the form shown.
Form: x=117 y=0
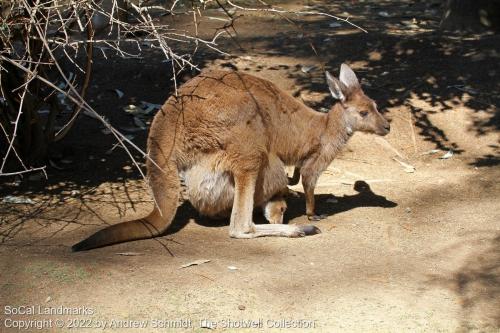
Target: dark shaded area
x=471 y=15
x=487 y=161
x=326 y=204
x=477 y=284
x=46 y=210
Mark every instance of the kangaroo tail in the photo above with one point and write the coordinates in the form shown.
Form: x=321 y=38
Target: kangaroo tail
x=165 y=184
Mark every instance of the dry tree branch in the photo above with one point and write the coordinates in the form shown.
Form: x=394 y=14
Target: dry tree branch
x=282 y=11
x=58 y=25
x=28 y=170
x=88 y=70
x=119 y=136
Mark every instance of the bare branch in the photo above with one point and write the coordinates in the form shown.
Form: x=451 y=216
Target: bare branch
x=282 y=11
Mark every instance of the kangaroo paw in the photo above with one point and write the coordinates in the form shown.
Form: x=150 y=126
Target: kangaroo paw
x=309 y=230
x=316 y=218
x=242 y=235
x=277 y=230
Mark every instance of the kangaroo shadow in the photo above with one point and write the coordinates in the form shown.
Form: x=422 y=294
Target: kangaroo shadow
x=296 y=207
x=328 y=204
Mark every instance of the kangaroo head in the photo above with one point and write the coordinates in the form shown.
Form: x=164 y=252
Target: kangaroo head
x=360 y=111
x=274 y=210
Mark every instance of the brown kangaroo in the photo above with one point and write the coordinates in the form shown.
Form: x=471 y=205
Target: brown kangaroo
x=235 y=123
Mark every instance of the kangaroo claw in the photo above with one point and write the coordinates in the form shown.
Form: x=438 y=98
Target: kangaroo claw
x=309 y=230
x=316 y=218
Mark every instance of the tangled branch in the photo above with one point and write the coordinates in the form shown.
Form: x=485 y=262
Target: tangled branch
x=43 y=43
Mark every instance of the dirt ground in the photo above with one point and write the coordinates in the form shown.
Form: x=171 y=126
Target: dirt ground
x=400 y=251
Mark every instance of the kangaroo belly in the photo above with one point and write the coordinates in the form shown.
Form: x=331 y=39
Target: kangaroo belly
x=211 y=191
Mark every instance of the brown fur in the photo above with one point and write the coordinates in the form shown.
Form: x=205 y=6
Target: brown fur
x=236 y=123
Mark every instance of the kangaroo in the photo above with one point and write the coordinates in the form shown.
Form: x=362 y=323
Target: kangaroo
x=236 y=122
x=212 y=192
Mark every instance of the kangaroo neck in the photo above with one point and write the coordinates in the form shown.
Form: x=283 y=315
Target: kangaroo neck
x=310 y=133
x=338 y=131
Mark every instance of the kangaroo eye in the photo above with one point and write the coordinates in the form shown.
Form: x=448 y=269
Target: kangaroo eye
x=363 y=113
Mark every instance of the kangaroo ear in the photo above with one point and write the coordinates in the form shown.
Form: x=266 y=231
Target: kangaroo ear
x=335 y=87
x=348 y=78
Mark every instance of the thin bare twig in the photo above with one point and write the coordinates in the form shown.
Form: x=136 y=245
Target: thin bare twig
x=282 y=11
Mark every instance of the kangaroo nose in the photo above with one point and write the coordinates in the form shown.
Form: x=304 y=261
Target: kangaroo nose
x=387 y=126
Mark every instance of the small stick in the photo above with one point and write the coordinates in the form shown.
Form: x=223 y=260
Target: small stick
x=384 y=143
x=414 y=139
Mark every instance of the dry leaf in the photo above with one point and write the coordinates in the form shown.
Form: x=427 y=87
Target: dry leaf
x=139 y=123
x=431 y=152
x=307 y=69
x=132 y=109
x=55 y=165
x=409 y=169
x=446 y=156
x=130 y=137
x=119 y=93
x=129 y=254
x=17 y=200
x=149 y=107
x=195 y=263
x=406 y=167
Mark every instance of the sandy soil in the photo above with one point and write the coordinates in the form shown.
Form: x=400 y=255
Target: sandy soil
x=399 y=251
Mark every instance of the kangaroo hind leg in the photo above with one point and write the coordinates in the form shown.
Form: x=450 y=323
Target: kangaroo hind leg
x=241 y=224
